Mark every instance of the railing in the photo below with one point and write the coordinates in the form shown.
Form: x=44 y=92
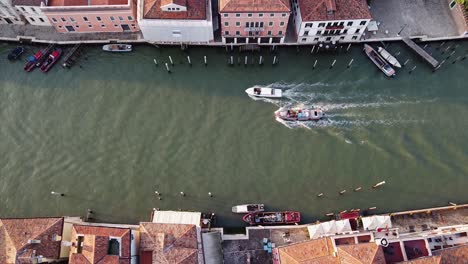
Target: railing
x=254 y=29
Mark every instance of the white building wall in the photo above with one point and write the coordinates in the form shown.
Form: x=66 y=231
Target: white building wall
x=8 y=14
x=317 y=32
x=34 y=15
x=177 y=31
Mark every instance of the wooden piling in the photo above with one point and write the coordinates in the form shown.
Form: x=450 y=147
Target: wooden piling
x=312 y=50
x=405 y=62
x=206 y=61
x=456 y=59
x=155 y=62
x=358 y=189
x=320 y=195
x=350 y=62
x=315 y=64
x=349 y=46
x=189 y=62
x=333 y=63
x=260 y=61
x=245 y=61
x=412 y=69
x=167 y=68
x=170 y=59
x=342 y=192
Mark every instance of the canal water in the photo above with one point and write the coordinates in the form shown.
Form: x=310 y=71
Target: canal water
x=115 y=128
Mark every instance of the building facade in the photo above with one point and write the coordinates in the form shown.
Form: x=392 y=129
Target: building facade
x=176 y=21
x=254 y=22
x=330 y=20
x=87 y=16
x=8 y=14
x=31 y=11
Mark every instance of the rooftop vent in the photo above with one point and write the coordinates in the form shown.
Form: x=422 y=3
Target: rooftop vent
x=33 y=241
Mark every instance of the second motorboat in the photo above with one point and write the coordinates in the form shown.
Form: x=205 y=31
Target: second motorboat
x=387 y=56
x=300 y=114
x=258 y=91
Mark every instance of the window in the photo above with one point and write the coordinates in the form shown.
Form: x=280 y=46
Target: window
x=60 y=27
x=79 y=244
x=72 y=19
x=90 y=26
x=329 y=24
x=328 y=39
x=304 y=39
x=251 y=24
x=33 y=10
x=116 y=26
x=237 y=33
x=453 y=4
x=225 y=15
x=176 y=33
x=335 y=24
x=256 y=33
x=249 y=15
x=269 y=33
x=85 y=19
x=237 y=15
x=22 y=8
x=257 y=24
x=41 y=19
x=321 y=24
x=342 y=38
x=270 y=24
x=70 y=28
x=308 y=25
x=319 y=32
x=341 y=23
x=54 y=20
x=103 y=26
x=280 y=32
x=121 y=18
x=316 y=39
x=306 y=33
x=63 y=19
x=77 y=26
x=283 y=15
x=125 y=27
x=112 y=18
x=272 y=15
x=345 y=31
x=177 y=9
x=32 y=19
x=357 y=30
x=281 y=24
x=354 y=37
x=98 y=18
x=226 y=24
x=261 y=24
x=237 y=24
x=260 y=15
x=226 y=33
x=362 y=23
x=246 y=24
x=113 y=247
x=350 y=23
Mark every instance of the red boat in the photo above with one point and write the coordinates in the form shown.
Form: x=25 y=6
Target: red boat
x=32 y=60
x=272 y=218
x=51 y=60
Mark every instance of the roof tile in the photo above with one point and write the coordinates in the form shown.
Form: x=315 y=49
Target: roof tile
x=196 y=9
x=254 y=6
x=316 y=10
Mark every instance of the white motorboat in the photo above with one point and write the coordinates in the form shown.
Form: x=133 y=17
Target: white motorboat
x=300 y=114
x=388 y=57
x=264 y=92
x=248 y=208
x=117 y=47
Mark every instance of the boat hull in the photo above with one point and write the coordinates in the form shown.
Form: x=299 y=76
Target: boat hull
x=379 y=61
x=51 y=60
x=300 y=115
x=117 y=48
x=248 y=208
x=264 y=92
x=272 y=218
x=388 y=57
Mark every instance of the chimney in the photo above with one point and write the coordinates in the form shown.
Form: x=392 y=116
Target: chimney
x=34 y=241
x=160 y=238
x=331 y=6
x=56 y=237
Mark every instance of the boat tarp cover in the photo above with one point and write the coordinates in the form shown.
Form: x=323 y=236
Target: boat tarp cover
x=175 y=217
x=329 y=228
x=212 y=249
x=376 y=221
x=31 y=58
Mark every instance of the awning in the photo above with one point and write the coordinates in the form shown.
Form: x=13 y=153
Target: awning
x=376 y=221
x=212 y=250
x=175 y=217
x=329 y=228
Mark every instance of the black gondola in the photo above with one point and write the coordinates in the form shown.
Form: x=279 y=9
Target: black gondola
x=15 y=53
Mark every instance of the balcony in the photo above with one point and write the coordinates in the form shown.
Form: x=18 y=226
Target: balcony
x=254 y=29
x=334 y=27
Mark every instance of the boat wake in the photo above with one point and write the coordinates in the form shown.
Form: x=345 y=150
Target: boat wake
x=343 y=108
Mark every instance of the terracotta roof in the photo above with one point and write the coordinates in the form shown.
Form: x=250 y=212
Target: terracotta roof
x=169 y=243
x=196 y=10
x=96 y=242
x=317 y=10
x=177 y=2
x=15 y=234
x=313 y=251
x=425 y=260
x=453 y=255
x=366 y=253
x=254 y=6
x=85 y=2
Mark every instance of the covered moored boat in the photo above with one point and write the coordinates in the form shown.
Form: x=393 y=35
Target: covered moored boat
x=388 y=57
x=379 y=61
x=51 y=60
x=15 y=53
x=248 y=208
x=117 y=47
x=272 y=218
x=264 y=92
x=32 y=60
x=300 y=114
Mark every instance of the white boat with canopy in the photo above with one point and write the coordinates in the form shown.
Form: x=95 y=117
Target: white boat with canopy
x=388 y=57
x=264 y=92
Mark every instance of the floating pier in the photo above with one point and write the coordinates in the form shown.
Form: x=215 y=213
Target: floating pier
x=421 y=52
x=71 y=56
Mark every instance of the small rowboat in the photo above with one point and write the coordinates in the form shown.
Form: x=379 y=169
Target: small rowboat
x=51 y=60
x=248 y=208
x=117 y=47
x=264 y=92
x=388 y=57
x=300 y=115
x=15 y=53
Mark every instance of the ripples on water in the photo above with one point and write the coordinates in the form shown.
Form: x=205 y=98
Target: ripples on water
x=344 y=111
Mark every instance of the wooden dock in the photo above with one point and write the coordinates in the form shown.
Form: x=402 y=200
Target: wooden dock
x=421 y=52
